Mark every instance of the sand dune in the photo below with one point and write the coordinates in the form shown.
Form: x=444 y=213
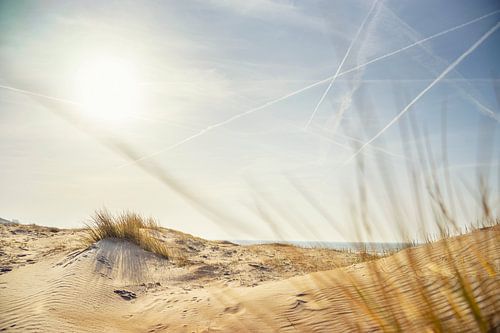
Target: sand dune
x=114 y=286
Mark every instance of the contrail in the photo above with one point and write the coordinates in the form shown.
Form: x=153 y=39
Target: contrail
x=332 y=81
x=423 y=92
x=421 y=41
x=126 y=151
x=296 y=92
x=73 y=103
x=227 y=121
x=380 y=149
x=272 y=102
x=31 y=93
x=346 y=147
x=466 y=92
x=483 y=109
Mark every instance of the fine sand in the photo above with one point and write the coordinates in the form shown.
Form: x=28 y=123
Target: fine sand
x=49 y=282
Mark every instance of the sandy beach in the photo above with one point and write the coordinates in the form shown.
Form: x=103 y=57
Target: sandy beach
x=49 y=283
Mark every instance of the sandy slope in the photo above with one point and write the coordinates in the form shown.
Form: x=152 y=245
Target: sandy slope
x=75 y=291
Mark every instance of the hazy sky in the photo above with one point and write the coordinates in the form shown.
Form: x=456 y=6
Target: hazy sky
x=188 y=84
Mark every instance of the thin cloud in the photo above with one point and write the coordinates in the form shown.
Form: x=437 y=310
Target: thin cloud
x=270 y=11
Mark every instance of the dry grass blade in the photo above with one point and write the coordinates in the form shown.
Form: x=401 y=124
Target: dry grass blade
x=128 y=226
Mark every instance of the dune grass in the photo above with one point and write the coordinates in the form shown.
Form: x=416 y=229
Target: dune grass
x=128 y=226
x=460 y=296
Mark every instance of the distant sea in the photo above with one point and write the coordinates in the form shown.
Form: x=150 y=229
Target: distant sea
x=353 y=246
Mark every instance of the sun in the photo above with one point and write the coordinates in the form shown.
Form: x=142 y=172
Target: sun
x=107 y=89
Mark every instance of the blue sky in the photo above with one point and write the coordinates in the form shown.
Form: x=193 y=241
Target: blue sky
x=206 y=71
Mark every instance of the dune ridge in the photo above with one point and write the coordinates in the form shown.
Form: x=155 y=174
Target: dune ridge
x=75 y=290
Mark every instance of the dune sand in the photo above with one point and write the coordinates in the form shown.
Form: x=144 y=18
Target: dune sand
x=48 y=283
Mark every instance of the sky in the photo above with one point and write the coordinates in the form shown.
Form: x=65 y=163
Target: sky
x=240 y=119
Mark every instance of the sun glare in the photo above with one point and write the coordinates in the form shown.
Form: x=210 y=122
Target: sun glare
x=107 y=89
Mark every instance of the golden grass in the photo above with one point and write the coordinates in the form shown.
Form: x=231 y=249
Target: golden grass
x=461 y=293
x=128 y=226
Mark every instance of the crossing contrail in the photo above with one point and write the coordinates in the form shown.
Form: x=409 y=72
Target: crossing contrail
x=423 y=92
x=272 y=102
x=347 y=147
x=421 y=41
x=332 y=81
x=380 y=149
x=296 y=92
x=466 y=93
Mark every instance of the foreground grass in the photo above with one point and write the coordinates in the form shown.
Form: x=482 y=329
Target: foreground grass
x=459 y=291
x=128 y=226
